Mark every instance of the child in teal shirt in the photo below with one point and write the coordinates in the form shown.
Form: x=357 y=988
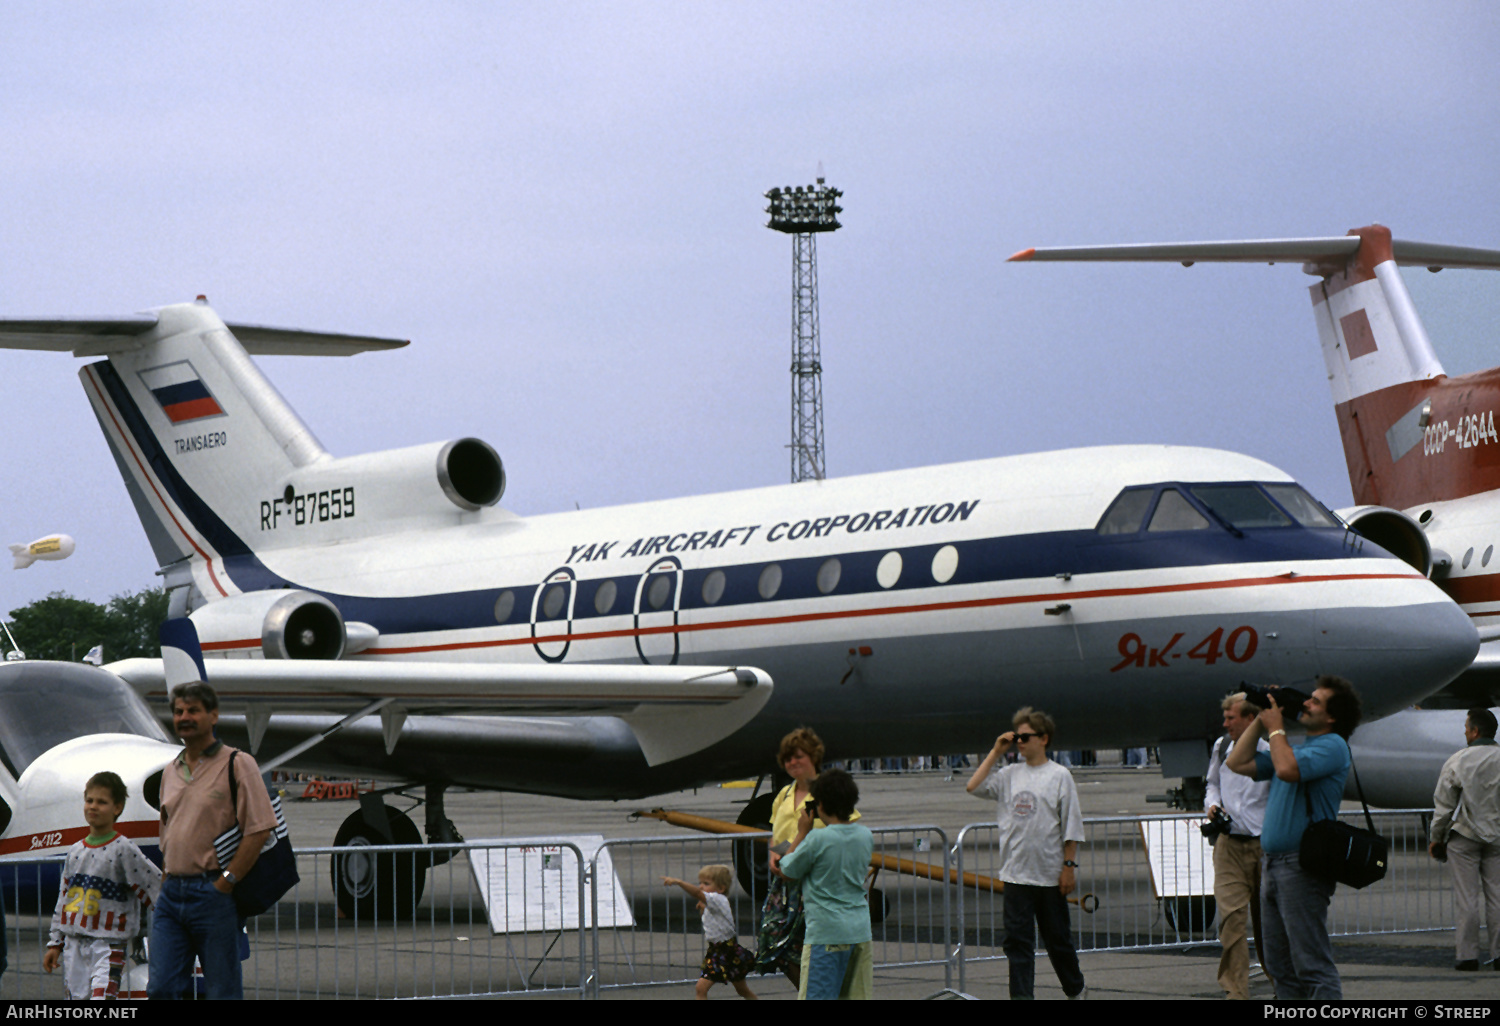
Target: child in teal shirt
x=832 y=865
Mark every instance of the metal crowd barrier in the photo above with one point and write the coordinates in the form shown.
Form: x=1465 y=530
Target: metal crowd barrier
x=1126 y=900
x=664 y=945
x=443 y=945
x=581 y=921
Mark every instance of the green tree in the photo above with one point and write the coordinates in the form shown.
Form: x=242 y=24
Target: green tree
x=63 y=627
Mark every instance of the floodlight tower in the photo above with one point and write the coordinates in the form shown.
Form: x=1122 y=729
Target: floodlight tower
x=802 y=213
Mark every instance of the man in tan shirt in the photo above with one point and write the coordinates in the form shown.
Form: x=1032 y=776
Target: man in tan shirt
x=196 y=915
x=1466 y=821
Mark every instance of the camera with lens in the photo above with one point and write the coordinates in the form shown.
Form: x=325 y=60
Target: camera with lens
x=1289 y=699
x=1218 y=824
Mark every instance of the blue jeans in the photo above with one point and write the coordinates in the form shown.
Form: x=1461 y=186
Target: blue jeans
x=1294 y=915
x=1048 y=909
x=835 y=972
x=193 y=918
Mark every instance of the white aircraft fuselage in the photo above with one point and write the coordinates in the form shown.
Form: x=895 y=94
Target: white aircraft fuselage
x=1124 y=589
x=909 y=611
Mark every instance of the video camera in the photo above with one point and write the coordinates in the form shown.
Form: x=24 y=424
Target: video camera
x=1289 y=699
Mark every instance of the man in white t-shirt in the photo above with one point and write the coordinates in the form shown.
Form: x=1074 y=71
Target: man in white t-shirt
x=1040 y=827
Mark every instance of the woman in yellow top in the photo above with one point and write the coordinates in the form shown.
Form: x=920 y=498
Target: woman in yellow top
x=781 y=923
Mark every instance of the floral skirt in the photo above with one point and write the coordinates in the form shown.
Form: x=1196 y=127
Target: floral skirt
x=727 y=962
x=782 y=927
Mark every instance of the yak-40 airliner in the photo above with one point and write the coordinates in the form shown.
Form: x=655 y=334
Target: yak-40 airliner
x=630 y=651
x=1422 y=448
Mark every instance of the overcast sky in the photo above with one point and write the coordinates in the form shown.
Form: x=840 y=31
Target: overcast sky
x=561 y=206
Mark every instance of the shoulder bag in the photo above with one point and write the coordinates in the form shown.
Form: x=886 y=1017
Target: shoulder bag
x=1338 y=852
x=274 y=872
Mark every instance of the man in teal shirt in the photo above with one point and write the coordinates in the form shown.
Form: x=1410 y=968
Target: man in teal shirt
x=1294 y=904
x=832 y=864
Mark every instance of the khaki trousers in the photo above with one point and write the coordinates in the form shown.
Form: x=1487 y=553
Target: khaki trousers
x=1237 y=895
x=1476 y=880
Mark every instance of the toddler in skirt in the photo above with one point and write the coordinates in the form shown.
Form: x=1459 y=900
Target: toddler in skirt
x=726 y=961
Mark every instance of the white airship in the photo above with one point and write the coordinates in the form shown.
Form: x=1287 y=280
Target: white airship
x=52 y=547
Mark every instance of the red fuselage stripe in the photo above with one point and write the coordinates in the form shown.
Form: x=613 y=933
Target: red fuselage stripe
x=719 y=625
x=72 y=835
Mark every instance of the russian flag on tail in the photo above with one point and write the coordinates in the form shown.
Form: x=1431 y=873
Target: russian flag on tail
x=181 y=392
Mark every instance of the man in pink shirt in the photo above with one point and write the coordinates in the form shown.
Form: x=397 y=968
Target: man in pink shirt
x=196 y=915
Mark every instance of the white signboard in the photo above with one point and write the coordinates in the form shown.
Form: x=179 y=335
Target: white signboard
x=533 y=885
x=1182 y=862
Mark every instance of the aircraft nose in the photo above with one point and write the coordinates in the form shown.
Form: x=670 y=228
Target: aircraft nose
x=1399 y=651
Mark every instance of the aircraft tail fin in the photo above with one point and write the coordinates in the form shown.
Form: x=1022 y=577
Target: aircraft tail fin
x=202 y=439
x=21 y=557
x=1390 y=392
x=181 y=654
x=1381 y=368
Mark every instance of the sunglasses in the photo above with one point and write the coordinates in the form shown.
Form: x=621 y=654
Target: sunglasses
x=1023 y=738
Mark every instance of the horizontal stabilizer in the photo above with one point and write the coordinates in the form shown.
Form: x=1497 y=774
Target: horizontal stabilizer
x=82 y=336
x=673 y=710
x=99 y=336
x=1320 y=252
x=259 y=341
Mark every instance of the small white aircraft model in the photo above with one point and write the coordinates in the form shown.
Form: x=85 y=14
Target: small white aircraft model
x=54 y=546
x=909 y=611
x=1422 y=449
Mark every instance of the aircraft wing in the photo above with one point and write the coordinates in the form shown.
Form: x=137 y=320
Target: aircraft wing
x=672 y=710
x=1317 y=251
x=100 y=336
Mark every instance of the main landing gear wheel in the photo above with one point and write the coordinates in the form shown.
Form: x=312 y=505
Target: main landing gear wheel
x=378 y=885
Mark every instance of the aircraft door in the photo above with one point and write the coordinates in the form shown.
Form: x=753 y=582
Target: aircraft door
x=658 y=596
x=552 y=615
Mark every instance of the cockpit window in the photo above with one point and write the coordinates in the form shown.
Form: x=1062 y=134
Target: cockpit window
x=1175 y=513
x=1242 y=505
x=1309 y=512
x=1238 y=506
x=1125 y=514
x=44 y=704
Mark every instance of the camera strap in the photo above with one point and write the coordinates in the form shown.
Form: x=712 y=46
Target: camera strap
x=1369 y=820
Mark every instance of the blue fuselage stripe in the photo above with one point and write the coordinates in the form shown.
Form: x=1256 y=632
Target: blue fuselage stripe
x=980 y=561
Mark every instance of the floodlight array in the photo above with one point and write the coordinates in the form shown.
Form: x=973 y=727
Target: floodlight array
x=812 y=208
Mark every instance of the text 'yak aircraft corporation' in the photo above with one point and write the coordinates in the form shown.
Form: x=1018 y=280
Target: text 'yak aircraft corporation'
x=629 y=651
x=1422 y=449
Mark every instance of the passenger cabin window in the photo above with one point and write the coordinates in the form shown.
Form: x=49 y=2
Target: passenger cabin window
x=1125 y=514
x=1175 y=513
x=1306 y=510
x=1243 y=505
x=659 y=591
x=713 y=587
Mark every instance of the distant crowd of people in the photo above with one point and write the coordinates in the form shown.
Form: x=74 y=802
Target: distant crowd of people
x=1085 y=757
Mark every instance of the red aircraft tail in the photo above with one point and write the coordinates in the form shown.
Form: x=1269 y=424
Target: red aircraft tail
x=1412 y=435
